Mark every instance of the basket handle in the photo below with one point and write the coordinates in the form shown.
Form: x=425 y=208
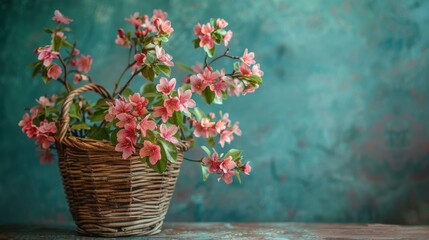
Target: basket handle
x=65 y=118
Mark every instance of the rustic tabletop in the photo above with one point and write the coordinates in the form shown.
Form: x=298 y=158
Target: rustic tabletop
x=238 y=231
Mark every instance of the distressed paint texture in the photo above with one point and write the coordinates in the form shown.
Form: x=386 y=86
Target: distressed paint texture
x=339 y=132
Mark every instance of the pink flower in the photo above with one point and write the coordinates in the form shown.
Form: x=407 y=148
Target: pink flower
x=162 y=112
x=163 y=57
x=197 y=29
x=208 y=76
x=218 y=88
x=212 y=163
x=146 y=124
x=44 y=102
x=256 y=70
x=125 y=119
x=248 y=58
x=28 y=127
x=172 y=105
x=166 y=86
x=225 y=136
x=119 y=106
x=246 y=168
x=59 y=34
x=135 y=20
x=227 y=164
x=46 y=157
x=227 y=38
x=127 y=139
x=158 y=13
x=168 y=133
x=84 y=63
x=204 y=128
x=221 y=23
x=54 y=72
x=139 y=103
x=140 y=59
x=244 y=70
x=207 y=40
x=44 y=134
x=163 y=26
x=152 y=151
x=207 y=29
x=236 y=88
x=197 y=85
x=249 y=89
x=121 y=39
x=197 y=68
x=235 y=129
x=220 y=126
x=75 y=52
x=60 y=18
x=185 y=99
x=47 y=127
x=79 y=77
x=227 y=177
x=47 y=55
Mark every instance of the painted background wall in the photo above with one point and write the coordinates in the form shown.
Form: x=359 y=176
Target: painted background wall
x=339 y=131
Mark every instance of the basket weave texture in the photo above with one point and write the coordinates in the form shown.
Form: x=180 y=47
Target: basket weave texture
x=107 y=195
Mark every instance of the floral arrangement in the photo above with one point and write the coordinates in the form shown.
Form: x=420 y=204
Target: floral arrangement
x=150 y=121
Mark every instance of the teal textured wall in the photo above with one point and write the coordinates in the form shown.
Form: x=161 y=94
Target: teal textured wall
x=339 y=131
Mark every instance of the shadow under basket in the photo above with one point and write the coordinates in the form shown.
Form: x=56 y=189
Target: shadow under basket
x=109 y=196
x=112 y=197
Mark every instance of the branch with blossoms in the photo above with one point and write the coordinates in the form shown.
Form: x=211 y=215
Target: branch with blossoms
x=150 y=122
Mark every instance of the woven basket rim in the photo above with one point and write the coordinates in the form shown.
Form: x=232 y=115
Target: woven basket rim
x=90 y=144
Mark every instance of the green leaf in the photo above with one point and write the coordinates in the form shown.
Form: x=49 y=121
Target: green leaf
x=234 y=153
x=196 y=43
x=255 y=79
x=208 y=95
x=184 y=66
x=210 y=52
x=149 y=91
x=113 y=136
x=65 y=29
x=211 y=141
x=45 y=79
x=206 y=150
x=80 y=126
x=102 y=104
x=163 y=38
x=213 y=22
x=176 y=119
x=37 y=67
x=148 y=73
x=198 y=113
x=166 y=70
x=74 y=111
x=236 y=66
x=98 y=116
x=218 y=100
x=48 y=30
x=66 y=44
x=205 y=172
x=98 y=133
x=221 y=32
x=127 y=92
x=238 y=177
x=168 y=150
x=56 y=43
x=159 y=167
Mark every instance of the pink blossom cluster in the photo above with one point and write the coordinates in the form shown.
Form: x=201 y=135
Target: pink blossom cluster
x=43 y=131
x=207 y=127
x=145 y=25
x=211 y=32
x=226 y=167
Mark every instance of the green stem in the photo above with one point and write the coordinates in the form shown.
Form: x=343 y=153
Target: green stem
x=192 y=160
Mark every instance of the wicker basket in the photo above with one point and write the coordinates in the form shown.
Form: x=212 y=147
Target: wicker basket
x=107 y=195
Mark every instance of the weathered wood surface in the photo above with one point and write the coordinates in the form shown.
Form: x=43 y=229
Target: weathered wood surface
x=239 y=231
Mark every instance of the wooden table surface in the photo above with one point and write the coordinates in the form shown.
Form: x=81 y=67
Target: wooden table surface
x=238 y=231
